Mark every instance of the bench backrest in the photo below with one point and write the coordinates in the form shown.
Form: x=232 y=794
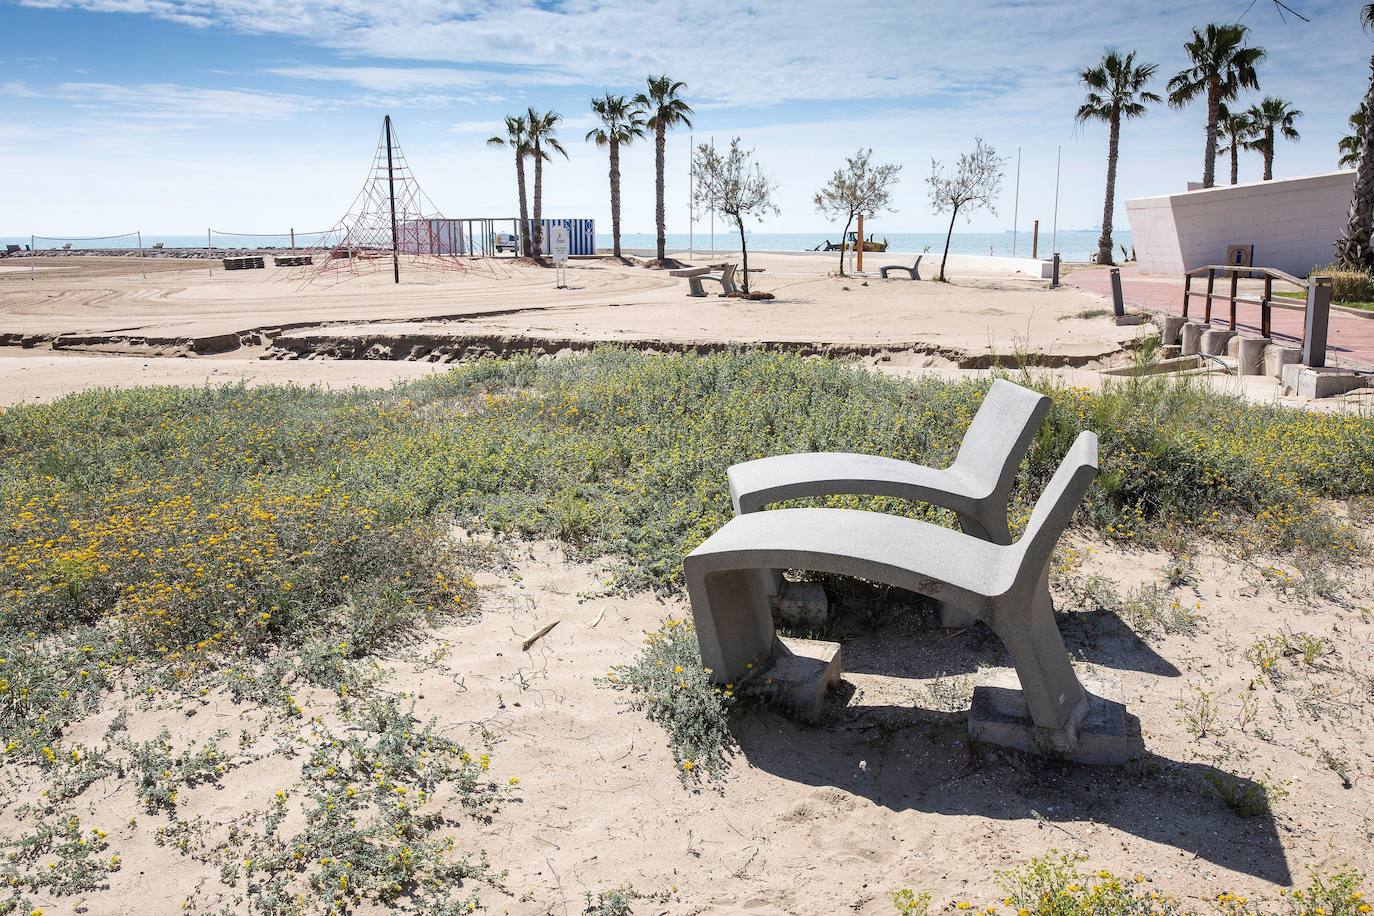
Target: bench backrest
x=1056 y=505
x=1000 y=435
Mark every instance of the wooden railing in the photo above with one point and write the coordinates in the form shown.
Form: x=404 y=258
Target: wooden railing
x=1266 y=303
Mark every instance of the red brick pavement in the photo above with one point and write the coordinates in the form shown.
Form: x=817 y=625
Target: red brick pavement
x=1350 y=339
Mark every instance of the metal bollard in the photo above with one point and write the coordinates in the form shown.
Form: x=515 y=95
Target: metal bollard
x=1315 y=320
x=1054 y=276
x=1118 y=303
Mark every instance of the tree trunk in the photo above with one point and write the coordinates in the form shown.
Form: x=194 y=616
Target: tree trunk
x=538 y=202
x=1209 y=155
x=1353 y=250
x=659 y=142
x=744 y=249
x=1104 y=243
x=1235 y=161
x=948 y=236
x=1269 y=154
x=843 y=236
x=615 y=197
x=524 y=204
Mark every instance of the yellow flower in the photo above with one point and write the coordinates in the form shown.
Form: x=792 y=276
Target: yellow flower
x=688 y=765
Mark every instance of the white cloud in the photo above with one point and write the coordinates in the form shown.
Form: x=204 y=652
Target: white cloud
x=183 y=104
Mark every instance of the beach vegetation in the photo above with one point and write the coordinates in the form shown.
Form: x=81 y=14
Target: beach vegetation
x=664 y=109
x=861 y=187
x=622 y=122
x=973 y=184
x=1220 y=65
x=1355 y=247
x=516 y=139
x=542 y=138
x=733 y=184
x=1116 y=90
x=1272 y=117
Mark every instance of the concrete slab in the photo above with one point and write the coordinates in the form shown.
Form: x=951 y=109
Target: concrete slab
x=1324 y=382
x=800 y=673
x=1104 y=735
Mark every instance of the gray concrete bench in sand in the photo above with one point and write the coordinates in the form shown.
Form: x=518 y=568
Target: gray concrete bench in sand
x=977 y=486
x=913 y=272
x=1006 y=586
x=726 y=279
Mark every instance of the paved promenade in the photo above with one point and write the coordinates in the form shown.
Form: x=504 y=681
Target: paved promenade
x=1350 y=340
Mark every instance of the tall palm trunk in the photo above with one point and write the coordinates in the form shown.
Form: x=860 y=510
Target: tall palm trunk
x=1235 y=162
x=744 y=250
x=1209 y=156
x=524 y=204
x=1268 y=154
x=659 y=144
x=538 y=201
x=1104 y=243
x=1353 y=250
x=615 y=196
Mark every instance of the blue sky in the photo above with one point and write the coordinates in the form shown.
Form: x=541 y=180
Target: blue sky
x=174 y=115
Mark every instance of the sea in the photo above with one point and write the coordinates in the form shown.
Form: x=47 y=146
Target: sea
x=1073 y=245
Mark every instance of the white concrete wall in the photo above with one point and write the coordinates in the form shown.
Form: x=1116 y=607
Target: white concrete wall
x=1292 y=222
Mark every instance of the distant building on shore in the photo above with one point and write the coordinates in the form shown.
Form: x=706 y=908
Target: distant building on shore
x=1292 y=224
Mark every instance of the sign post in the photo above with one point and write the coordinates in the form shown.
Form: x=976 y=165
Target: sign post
x=559 y=242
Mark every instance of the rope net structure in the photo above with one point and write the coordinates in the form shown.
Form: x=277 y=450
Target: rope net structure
x=391 y=220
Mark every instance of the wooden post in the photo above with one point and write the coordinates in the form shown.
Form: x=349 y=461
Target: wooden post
x=293 y=241
x=1264 y=306
x=1235 y=279
x=859 y=248
x=1211 y=282
x=1187 y=292
x=1035 y=240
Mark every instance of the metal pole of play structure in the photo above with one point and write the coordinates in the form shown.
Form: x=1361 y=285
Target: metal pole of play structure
x=391 y=190
x=1054 y=235
x=1016 y=203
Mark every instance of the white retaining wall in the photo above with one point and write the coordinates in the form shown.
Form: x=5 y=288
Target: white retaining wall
x=1292 y=222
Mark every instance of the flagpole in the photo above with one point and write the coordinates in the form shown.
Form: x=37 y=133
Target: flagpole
x=1016 y=206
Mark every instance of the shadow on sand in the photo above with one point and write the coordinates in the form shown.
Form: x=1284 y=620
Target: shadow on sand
x=920 y=759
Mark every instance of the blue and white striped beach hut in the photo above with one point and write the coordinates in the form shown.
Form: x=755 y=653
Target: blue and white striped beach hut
x=581 y=235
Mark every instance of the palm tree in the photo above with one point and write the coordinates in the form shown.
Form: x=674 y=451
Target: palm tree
x=1239 y=133
x=1221 y=66
x=517 y=138
x=1351 y=144
x=621 y=122
x=665 y=110
x=1116 y=90
x=1272 y=115
x=1353 y=249
x=543 y=136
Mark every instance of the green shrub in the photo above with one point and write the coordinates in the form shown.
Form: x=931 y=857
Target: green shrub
x=668 y=683
x=1347 y=285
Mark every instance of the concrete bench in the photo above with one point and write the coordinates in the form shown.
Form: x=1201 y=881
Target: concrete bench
x=976 y=487
x=913 y=272
x=726 y=281
x=1006 y=586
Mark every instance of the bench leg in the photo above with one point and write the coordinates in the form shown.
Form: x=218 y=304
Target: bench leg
x=1053 y=694
x=695 y=287
x=992 y=528
x=734 y=623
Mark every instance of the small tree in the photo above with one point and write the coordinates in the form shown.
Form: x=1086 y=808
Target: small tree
x=735 y=185
x=976 y=181
x=859 y=187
